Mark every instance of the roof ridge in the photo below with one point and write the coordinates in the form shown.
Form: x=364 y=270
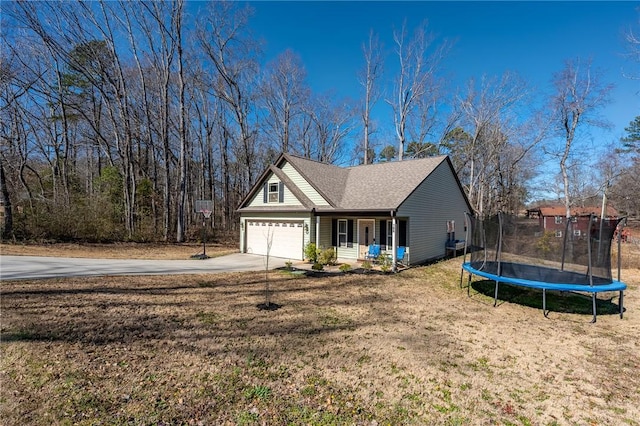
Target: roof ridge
x=300 y=157
x=396 y=161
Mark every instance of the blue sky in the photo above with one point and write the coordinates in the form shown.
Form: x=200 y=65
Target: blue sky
x=531 y=38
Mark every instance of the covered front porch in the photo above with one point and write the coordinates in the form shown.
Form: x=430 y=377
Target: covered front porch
x=353 y=235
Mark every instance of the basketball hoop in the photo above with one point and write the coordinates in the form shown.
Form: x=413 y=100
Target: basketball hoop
x=206 y=208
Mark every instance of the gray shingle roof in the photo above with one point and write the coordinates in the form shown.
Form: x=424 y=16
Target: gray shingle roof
x=382 y=186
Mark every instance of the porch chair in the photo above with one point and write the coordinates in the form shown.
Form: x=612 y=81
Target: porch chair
x=373 y=253
x=400 y=252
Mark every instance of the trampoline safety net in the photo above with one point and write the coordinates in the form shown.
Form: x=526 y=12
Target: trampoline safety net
x=576 y=251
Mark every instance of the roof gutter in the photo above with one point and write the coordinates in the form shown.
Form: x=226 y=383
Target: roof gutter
x=319 y=211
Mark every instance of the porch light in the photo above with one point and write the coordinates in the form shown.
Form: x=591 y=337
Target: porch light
x=306 y=228
x=242 y=226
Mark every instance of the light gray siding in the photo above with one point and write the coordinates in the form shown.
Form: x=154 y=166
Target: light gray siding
x=325 y=237
x=325 y=232
x=303 y=185
x=434 y=202
x=289 y=198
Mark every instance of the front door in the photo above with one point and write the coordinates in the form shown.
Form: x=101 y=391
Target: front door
x=366 y=236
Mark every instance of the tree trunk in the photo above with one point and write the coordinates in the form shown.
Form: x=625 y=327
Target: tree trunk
x=5 y=202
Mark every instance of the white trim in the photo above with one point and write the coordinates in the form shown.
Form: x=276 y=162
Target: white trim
x=394 y=243
x=345 y=233
x=373 y=232
x=276 y=199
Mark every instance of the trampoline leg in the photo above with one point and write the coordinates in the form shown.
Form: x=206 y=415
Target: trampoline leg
x=469 y=286
x=461 y=276
x=593 y=298
x=495 y=297
x=544 y=303
x=621 y=302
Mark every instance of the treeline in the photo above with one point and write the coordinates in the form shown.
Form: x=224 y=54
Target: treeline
x=115 y=117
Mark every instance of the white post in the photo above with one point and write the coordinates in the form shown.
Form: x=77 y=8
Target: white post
x=394 y=244
x=317 y=231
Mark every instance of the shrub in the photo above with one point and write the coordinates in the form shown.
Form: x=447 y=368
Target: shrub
x=317 y=266
x=311 y=252
x=327 y=256
x=345 y=267
x=385 y=262
x=366 y=265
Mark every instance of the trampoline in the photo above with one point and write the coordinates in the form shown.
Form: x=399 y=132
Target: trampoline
x=575 y=256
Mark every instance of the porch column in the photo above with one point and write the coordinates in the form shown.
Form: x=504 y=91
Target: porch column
x=394 y=244
x=317 y=231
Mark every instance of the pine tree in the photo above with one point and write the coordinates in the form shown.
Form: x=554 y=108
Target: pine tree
x=631 y=142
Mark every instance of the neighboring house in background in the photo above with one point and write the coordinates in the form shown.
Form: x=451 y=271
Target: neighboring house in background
x=553 y=218
x=409 y=204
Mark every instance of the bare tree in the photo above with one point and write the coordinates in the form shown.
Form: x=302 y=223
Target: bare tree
x=233 y=56
x=579 y=95
x=419 y=61
x=493 y=141
x=633 y=46
x=155 y=74
x=368 y=78
x=332 y=122
x=284 y=94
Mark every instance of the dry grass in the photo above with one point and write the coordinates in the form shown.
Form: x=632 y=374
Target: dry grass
x=344 y=349
x=116 y=251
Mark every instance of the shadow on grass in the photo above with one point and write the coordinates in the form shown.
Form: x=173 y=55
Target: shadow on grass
x=79 y=313
x=557 y=301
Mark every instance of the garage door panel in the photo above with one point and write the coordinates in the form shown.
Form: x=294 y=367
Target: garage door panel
x=286 y=237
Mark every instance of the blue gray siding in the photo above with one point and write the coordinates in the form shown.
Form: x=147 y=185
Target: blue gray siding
x=434 y=202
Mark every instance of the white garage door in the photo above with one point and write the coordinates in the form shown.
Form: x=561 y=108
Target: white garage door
x=287 y=238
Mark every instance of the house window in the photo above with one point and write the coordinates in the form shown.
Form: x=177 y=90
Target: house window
x=559 y=234
x=576 y=232
x=342 y=232
x=451 y=226
x=558 y=220
x=389 y=241
x=574 y=219
x=273 y=192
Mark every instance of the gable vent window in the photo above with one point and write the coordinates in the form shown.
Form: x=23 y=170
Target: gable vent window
x=273 y=192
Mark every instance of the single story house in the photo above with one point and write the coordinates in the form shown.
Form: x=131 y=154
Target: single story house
x=553 y=218
x=416 y=204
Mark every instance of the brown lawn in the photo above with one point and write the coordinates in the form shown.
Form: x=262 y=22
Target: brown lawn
x=116 y=251
x=410 y=348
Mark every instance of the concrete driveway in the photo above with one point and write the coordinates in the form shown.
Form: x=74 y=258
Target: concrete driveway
x=36 y=267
